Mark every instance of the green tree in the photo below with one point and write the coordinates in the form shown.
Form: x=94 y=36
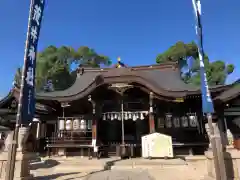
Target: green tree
x=181 y=53
x=88 y=57
x=55 y=64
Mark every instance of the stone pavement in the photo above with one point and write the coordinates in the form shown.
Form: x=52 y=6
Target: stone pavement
x=123 y=171
x=100 y=175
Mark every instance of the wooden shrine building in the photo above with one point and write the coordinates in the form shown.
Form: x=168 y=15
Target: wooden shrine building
x=110 y=108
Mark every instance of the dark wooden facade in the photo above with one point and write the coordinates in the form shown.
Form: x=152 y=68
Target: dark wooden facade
x=112 y=108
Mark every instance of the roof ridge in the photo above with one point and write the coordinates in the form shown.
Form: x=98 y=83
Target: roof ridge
x=143 y=67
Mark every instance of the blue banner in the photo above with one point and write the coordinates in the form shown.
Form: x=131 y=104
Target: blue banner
x=28 y=83
x=207 y=104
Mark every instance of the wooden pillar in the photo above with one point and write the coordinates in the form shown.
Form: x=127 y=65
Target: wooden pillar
x=94 y=121
x=151 y=115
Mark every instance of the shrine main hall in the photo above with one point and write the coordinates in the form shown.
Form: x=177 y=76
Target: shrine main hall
x=115 y=107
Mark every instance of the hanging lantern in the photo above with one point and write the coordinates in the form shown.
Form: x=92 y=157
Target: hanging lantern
x=83 y=125
x=119 y=116
x=137 y=116
x=193 y=121
x=61 y=124
x=89 y=124
x=112 y=117
x=130 y=115
x=104 y=117
x=184 y=121
x=108 y=116
x=134 y=117
x=125 y=116
x=76 y=124
x=141 y=116
x=168 y=120
x=115 y=116
x=176 y=122
x=68 y=125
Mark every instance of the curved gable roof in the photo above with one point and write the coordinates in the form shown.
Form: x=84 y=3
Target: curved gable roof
x=229 y=94
x=14 y=94
x=163 y=80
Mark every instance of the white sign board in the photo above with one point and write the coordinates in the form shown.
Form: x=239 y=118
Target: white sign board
x=157 y=145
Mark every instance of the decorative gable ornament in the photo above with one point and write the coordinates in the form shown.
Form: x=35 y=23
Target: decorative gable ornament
x=14 y=104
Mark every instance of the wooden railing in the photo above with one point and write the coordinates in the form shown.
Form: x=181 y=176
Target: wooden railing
x=70 y=137
x=83 y=141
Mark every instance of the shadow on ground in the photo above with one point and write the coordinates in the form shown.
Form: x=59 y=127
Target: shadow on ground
x=43 y=164
x=51 y=163
x=86 y=175
x=54 y=176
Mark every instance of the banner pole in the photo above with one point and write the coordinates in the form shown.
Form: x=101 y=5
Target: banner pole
x=26 y=102
x=10 y=168
x=207 y=104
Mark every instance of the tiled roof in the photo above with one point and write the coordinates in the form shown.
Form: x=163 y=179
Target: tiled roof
x=230 y=93
x=163 y=80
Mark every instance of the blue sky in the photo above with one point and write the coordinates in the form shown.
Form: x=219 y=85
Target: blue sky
x=135 y=30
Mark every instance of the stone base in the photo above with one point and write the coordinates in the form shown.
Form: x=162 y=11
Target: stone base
x=22 y=168
x=232 y=163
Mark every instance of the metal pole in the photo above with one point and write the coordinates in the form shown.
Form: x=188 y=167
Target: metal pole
x=218 y=156
x=10 y=168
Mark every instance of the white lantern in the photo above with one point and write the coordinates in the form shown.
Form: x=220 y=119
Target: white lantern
x=115 y=116
x=119 y=116
x=134 y=117
x=108 y=116
x=104 y=117
x=130 y=115
x=83 y=125
x=168 y=120
x=126 y=116
x=76 y=124
x=137 y=116
x=112 y=117
x=184 y=120
x=89 y=124
x=61 y=124
x=193 y=121
x=141 y=116
x=68 y=125
x=176 y=122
